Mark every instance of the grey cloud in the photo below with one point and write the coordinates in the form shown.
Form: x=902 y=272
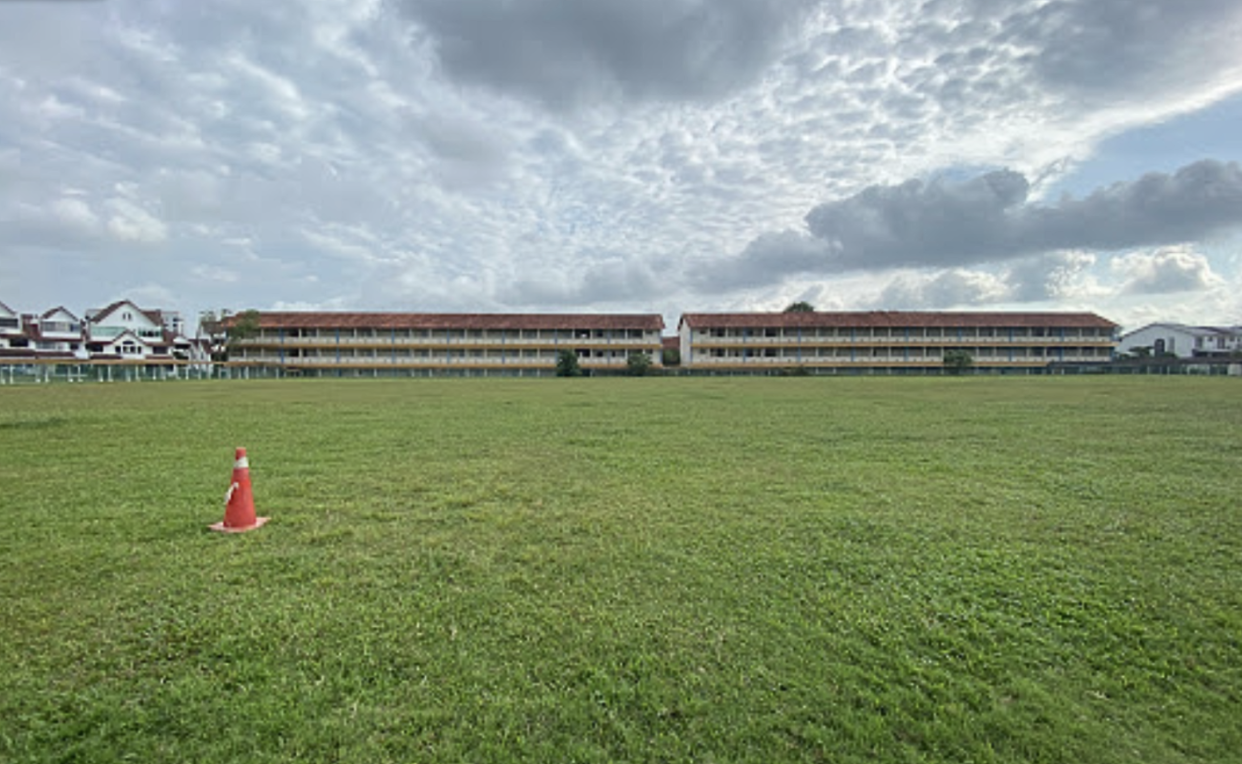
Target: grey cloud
x=1046 y=277
x=987 y=219
x=948 y=289
x=1034 y=279
x=764 y=261
x=913 y=223
x=615 y=279
x=564 y=52
x=1119 y=45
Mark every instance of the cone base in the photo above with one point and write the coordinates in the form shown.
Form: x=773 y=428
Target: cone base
x=221 y=527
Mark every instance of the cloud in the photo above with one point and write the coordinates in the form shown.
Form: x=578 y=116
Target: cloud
x=566 y=51
x=988 y=219
x=953 y=288
x=610 y=279
x=1164 y=271
x=215 y=273
x=1105 y=46
x=132 y=223
x=787 y=251
x=1049 y=277
x=74 y=213
x=1056 y=275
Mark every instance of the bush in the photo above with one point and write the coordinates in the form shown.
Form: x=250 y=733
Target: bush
x=957 y=361
x=638 y=364
x=567 y=364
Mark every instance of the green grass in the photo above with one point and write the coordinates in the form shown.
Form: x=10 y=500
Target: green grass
x=713 y=570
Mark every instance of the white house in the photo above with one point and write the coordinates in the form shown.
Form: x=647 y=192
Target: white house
x=1183 y=341
x=56 y=332
x=11 y=332
x=125 y=331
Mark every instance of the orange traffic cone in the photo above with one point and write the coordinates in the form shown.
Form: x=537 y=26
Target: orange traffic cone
x=239 y=501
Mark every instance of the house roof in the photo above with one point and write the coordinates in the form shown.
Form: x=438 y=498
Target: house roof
x=58 y=309
x=7 y=309
x=152 y=315
x=447 y=321
x=1196 y=331
x=894 y=319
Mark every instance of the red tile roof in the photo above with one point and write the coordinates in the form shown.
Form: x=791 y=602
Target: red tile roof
x=305 y=320
x=894 y=319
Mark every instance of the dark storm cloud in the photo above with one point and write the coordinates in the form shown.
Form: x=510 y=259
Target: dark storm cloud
x=988 y=219
x=567 y=51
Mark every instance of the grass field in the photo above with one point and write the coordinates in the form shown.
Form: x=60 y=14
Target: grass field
x=713 y=570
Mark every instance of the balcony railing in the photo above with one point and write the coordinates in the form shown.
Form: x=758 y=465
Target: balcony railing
x=912 y=341
x=432 y=362
x=441 y=342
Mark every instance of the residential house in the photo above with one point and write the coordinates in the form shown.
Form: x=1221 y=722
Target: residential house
x=12 y=332
x=56 y=334
x=124 y=332
x=1183 y=341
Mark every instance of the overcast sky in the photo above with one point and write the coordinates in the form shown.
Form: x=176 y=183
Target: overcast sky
x=624 y=155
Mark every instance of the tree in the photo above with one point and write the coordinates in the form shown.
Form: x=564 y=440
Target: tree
x=567 y=364
x=957 y=361
x=637 y=364
x=671 y=357
x=240 y=327
x=213 y=327
x=800 y=307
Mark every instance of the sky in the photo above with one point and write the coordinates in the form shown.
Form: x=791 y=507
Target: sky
x=649 y=156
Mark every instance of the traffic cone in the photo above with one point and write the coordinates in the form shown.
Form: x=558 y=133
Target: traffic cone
x=239 y=501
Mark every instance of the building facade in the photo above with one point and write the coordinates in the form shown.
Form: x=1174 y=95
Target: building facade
x=891 y=341
x=440 y=343
x=1183 y=341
